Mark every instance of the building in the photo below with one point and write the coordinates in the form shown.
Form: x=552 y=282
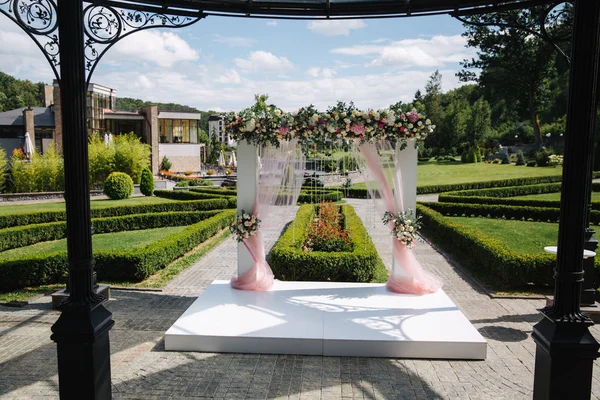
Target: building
x=216 y=128
x=171 y=134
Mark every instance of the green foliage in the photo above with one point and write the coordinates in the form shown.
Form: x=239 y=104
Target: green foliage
x=147 y=182
x=473 y=155
x=16 y=93
x=101 y=160
x=520 y=158
x=40 y=174
x=19 y=219
x=134 y=265
x=313 y=182
x=347 y=163
x=165 y=164
x=129 y=104
x=131 y=155
x=3 y=169
x=316 y=196
x=195 y=194
x=542 y=157
x=488 y=184
x=291 y=263
x=488 y=258
x=118 y=186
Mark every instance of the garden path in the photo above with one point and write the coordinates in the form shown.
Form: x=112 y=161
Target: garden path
x=141 y=369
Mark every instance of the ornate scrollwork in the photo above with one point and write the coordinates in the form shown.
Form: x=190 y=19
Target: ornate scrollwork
x=39 y=19
x=105 y=25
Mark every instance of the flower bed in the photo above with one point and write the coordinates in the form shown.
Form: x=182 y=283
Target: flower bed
x=328 y=231
x=290 y=262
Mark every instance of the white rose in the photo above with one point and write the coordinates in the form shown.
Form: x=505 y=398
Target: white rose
x=250 y=125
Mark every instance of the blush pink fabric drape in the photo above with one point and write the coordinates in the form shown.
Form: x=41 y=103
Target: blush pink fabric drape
x=260 y=277
x=407 y=275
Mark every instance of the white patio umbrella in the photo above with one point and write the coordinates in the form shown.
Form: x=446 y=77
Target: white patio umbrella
x=221 y=161
x=27 y=146
x=110 y=138
x=106 y=139
x=232 y=160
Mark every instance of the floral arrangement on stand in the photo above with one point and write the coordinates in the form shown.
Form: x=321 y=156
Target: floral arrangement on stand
x=405 y=226
x=245 y=225
x=270 y=125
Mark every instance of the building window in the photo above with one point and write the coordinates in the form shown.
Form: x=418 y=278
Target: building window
x=178 y=131
x=40 y=134
x=11 y=132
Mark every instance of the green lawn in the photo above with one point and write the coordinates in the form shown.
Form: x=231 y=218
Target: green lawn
x=109 y=241
x=553 y=196
x=521 y=236
x=434 y=173
x=8 y=208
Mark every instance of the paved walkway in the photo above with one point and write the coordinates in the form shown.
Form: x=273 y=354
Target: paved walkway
x=141 y=369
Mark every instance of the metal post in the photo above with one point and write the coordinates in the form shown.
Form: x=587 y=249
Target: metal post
x=81 y=331
x=566 y=350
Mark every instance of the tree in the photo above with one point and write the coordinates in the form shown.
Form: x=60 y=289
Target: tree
x=516 y=64
x=433 y=94
x=480 y=124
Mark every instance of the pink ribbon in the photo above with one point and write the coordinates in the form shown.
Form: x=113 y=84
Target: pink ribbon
x=410 y=278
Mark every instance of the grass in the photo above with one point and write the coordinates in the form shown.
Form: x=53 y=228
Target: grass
x=109 y=241
x=434 y=173
x=521 y=236
x=9 y=208
x=553 y=196
x=157 y=280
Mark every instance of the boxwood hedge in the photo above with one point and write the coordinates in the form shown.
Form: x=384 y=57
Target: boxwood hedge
x=488 y=258
x=17 y=219
x=20 y=236
x=289 y=262
x=132 y=265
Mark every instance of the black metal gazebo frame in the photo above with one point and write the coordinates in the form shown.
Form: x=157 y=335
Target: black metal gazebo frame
x=74 y=35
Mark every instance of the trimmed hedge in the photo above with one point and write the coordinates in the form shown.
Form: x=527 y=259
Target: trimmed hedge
x=21 y=236
x=191 y=194
x=503 y=196
x=289 y=262
x=318 y=196
x=118 y=186
x=134 y=265
x=18 y=219
x=487 y=184
x=489 y=258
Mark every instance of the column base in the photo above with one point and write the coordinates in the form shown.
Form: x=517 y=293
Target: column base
x=592 y=311
x=59 y=296
x=564 y=360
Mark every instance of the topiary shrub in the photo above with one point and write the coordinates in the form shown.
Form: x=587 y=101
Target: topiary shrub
x=165 y=164
x=531 y=163
x=520 y=158
x=147 y=183
x=118 y=186
x=542 y=157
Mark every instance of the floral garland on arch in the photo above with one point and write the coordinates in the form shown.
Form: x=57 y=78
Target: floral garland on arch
x=271 y=125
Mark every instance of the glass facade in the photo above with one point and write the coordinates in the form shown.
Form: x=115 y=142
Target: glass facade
x=118 y=126
x=178 y=130
x=42 y=132
x=96 y=104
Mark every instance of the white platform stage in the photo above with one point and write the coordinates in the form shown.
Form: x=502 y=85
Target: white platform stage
x=326 y=318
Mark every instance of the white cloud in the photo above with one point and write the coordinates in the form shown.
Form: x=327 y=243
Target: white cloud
x=433 y=52
x=335 y=28
x=317 y=72
x=235 y=41
x=162 y=48
x=263 y=61
x=229 y=76
x=20 y=57
x=272 y=23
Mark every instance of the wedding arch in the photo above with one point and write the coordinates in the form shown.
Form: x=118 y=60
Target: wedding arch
x=73 y=35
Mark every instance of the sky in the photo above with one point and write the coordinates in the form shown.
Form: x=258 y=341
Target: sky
x=220 y=63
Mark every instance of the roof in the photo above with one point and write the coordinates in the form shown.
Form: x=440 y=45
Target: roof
x=317 y=9
x=42 y=116
x=178 y=115
x=123 y=115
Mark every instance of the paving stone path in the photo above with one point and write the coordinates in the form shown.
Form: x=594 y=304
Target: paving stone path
x=141 y=369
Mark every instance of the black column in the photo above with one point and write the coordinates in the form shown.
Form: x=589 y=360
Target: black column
x=565 y=348
x=81 y=331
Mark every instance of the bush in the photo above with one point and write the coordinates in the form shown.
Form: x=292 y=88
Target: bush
x=133 y=265
x=131 y=155
x=185 y=183
x=101 y=161
x=531 y=163
x=43 y=173
x=147 y=183
x=313 y=182
x=188 y=173
x=488 y=184
x=210 y=172
x=18 y=219
x=347 y=163
x=520 y=158
x=3 y=169
x=165 y=164
x=289 y=262
x=542 y=157
x=118 y=186
x=200 y=182
x=489 y=258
